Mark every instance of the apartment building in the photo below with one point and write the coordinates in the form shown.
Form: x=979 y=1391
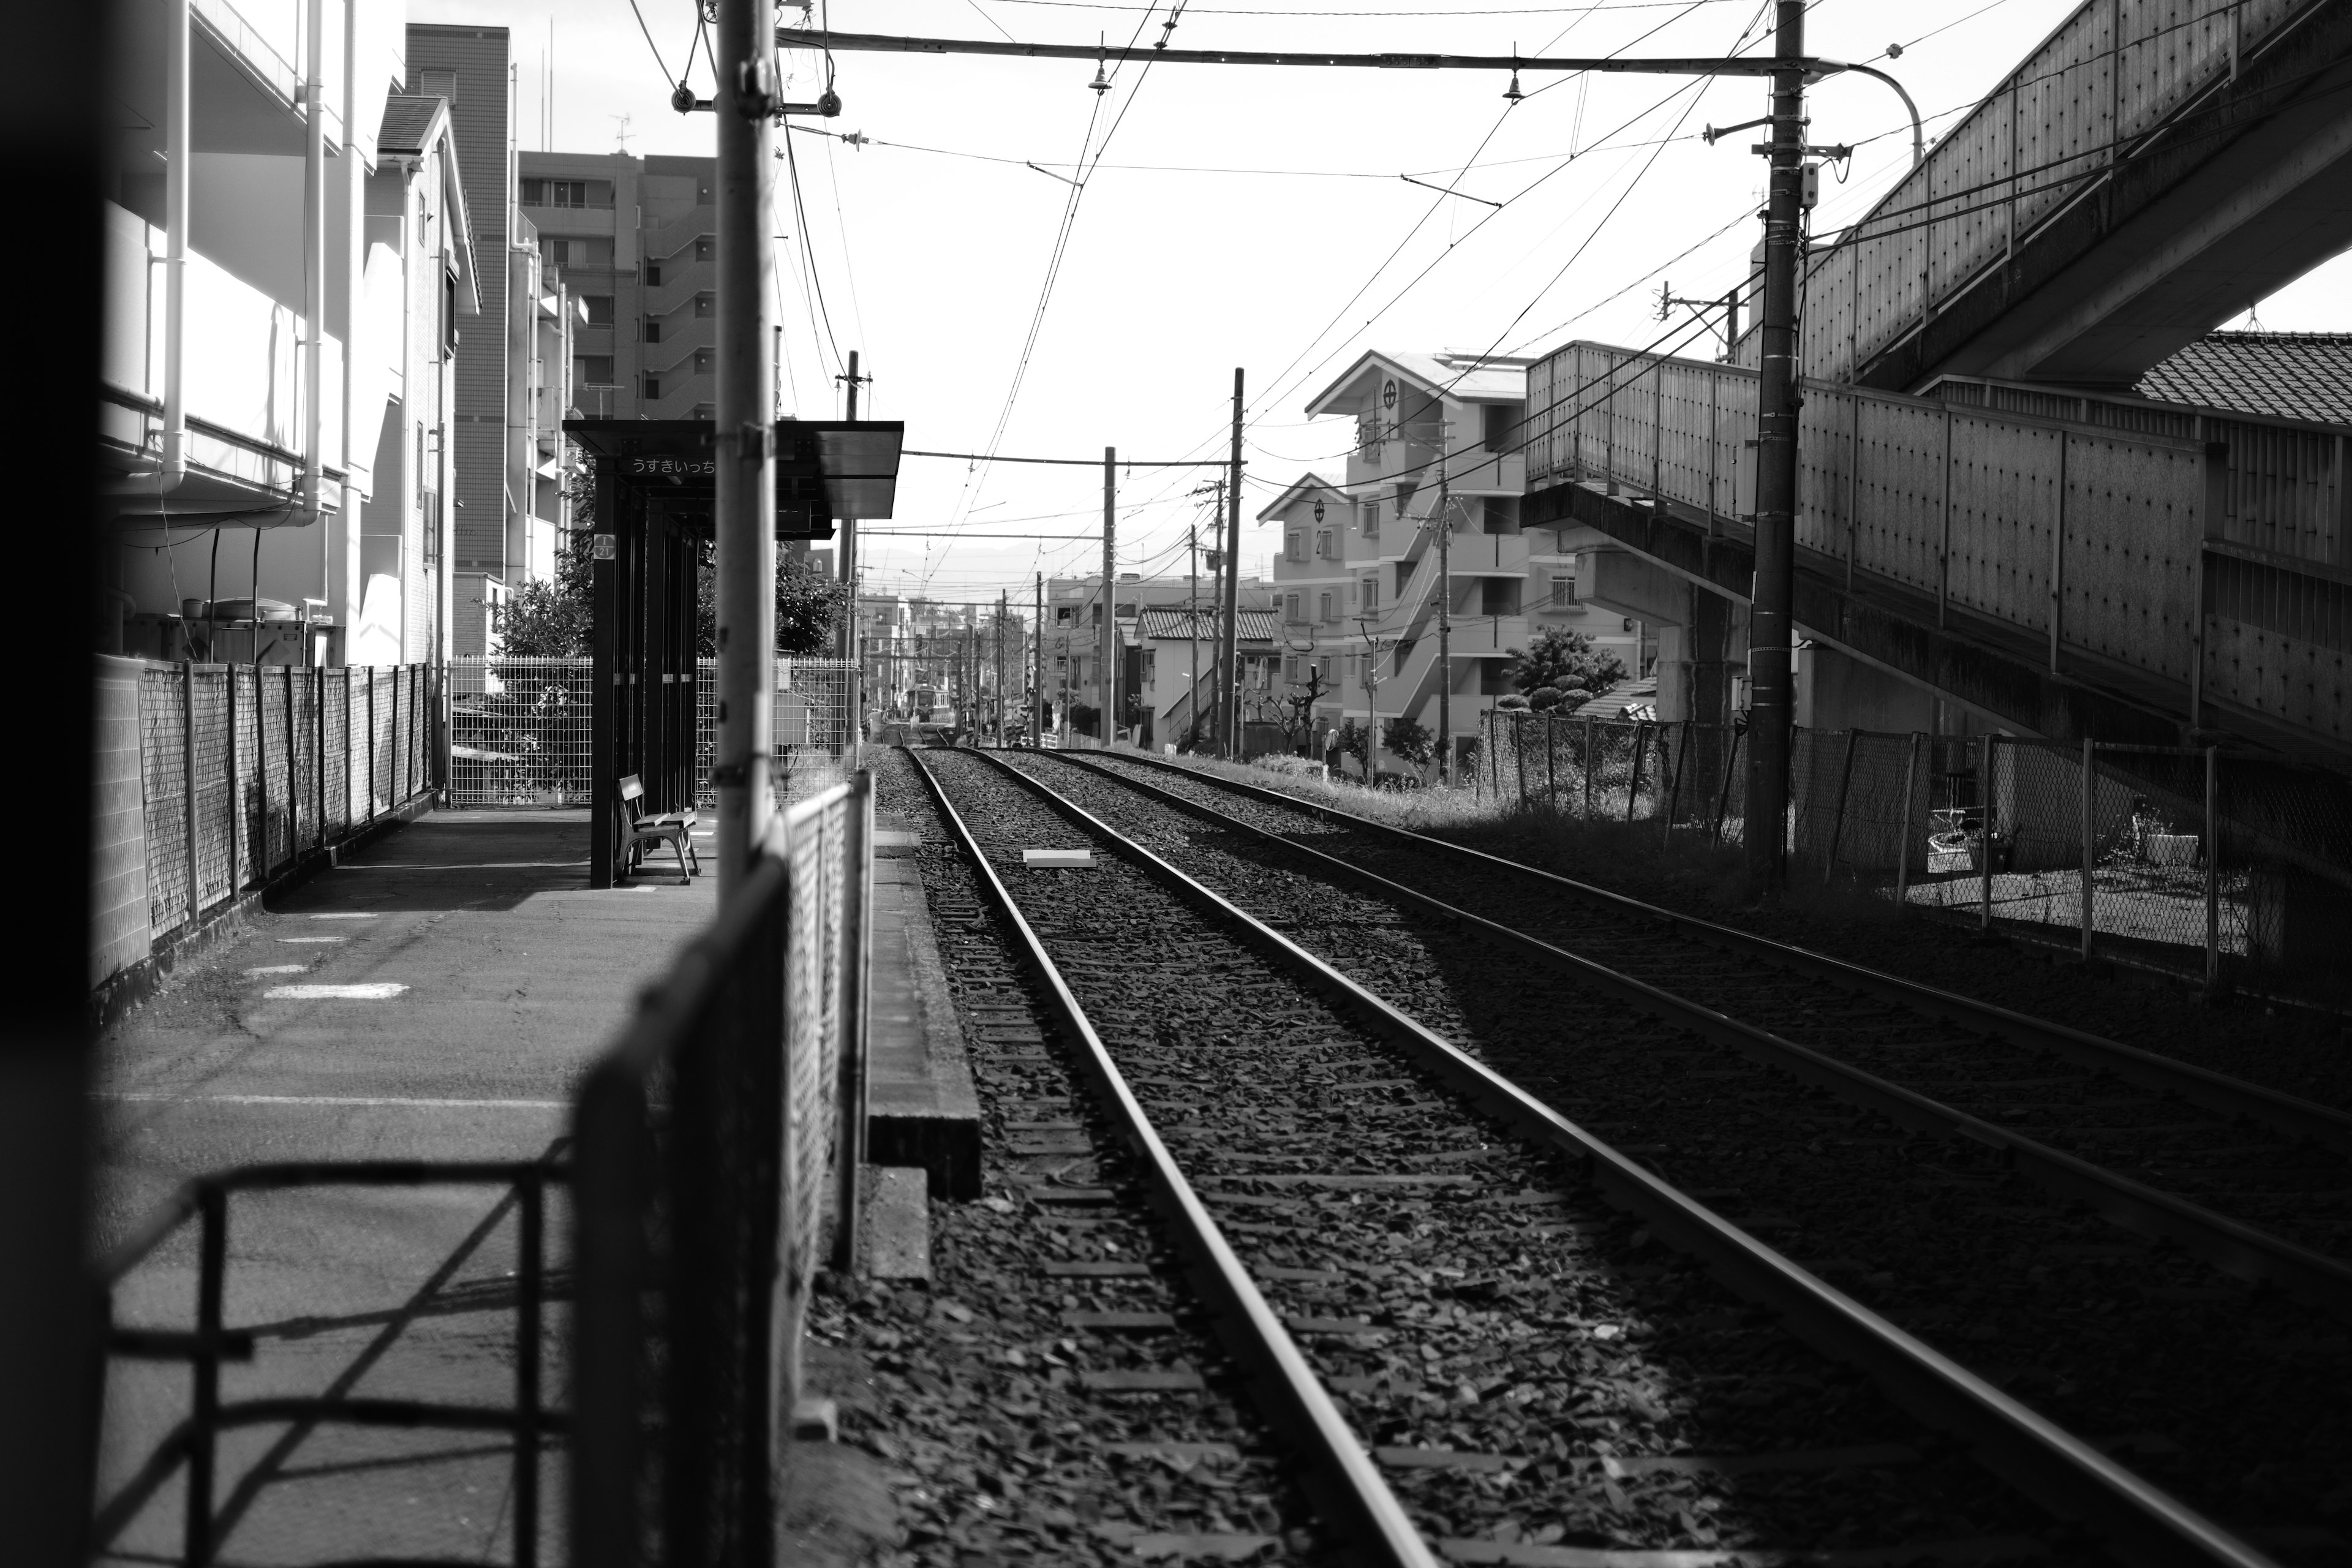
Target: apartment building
x=1358 y=567
x=635 y=237
x=274 y=396
x=1156 y=697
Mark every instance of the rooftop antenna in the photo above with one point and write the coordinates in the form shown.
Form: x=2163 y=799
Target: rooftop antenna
x=621 y=132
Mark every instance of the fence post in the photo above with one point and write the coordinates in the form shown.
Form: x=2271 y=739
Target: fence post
x=318 y=758
x=1903 y=840
x=1519 y=753
x=1984 y=837
x=371 y=743
x=857 y=872
x=1837 y=823
x=2090 y=831
x=188 y=784
x=236 y=786
x=1633 y=784
x=1552 y=764
x=262 y=769
x=1587 y=738
x=1723 y=795
x=2212 y=871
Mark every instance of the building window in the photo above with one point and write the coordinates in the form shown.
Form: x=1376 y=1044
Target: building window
x=567 y=192
x=653 y=387
x=1403 y=576
x=652 y=329
x=1323 y=542
x=1290 y=606
x=593 y=370
x=706 y=304
x=1150 y=664
x=653 y=274
x=599 y=308
x=1292 y=546
x=1499 y=425
x=1498 y=596
x=1372 y=595
x=430 y=82
x=578 y=252
x=1563 y=587
x=1290 y=666
x=1371 y=511
x=1323 y=603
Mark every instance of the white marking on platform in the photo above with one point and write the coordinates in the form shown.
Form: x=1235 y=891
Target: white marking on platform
x=349 y=915
x=310 y=941
x=366 y=991
x=278 y=969
x=361 y=1101
x=457 y=866
x=1057 y=857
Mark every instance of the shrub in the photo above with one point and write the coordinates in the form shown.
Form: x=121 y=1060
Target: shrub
x=1565 y=660
x=1410 y=739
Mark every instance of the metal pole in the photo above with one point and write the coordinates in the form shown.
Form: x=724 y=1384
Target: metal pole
x=1445 y=610
x=1001 y=607
x=1634 y=786
x=1837 y=823
x=746 y=502
x=188 y=786
x=1038 y=655
x=1675 y=790
x=1984 y=836
x=848 y=543
x=1192 y=615
x=1771 y=633
x=1108 y=719
x=2090 y=833
x=236 y=784
x=1228 y=656
x=2212 y=871
x=1903 y=842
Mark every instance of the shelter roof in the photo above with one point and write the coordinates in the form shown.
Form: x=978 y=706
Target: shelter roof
x=826 y=469
x=1177 y=622
x=2285 y=375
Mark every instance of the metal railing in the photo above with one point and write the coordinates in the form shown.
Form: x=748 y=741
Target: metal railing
x=191 y=1447
x=703 y=1142
x=520 y=731
x=2232 y=870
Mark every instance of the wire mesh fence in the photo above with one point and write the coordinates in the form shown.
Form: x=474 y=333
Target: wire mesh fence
x=704 y=1145
x=521 y=733
x=2235 y=870
x=233 y=783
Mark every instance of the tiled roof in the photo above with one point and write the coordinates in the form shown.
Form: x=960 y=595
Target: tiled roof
x=2288 y=375
x=1256 y=625
x=407 y=121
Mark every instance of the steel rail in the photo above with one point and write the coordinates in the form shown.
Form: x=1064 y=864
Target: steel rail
x=1340 y=1478
x=2143 y=1523
x=2229 y=1245
x=2148 y=1069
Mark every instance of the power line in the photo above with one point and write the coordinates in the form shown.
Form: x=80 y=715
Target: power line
x=1068 y=462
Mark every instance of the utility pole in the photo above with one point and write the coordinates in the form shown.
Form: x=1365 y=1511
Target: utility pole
x=1445 y=607
x=1038 y=684
x=746 y=477
x=1193 y=609
x=1229 y=674
x=848 y=525
x=1108 y=720
x=1770 y=630
x=1001 y=597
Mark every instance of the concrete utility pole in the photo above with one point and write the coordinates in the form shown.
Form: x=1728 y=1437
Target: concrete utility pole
x=1193 y=609
x=1037 y=667
x=1107 y=722
x=1770 y=631
x=1001 y=606
x=1229 y=669
x=848 y=525
x=1444 y=609
x=746 y=480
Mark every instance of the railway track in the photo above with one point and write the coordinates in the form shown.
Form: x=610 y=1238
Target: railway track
x=1472 y=1282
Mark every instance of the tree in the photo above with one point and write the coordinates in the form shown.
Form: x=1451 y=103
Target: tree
x=1083 y=716
x=554 y=618
x=1410 y=740
x=1355 y=741
x=1297 y=714
x=1564 y=661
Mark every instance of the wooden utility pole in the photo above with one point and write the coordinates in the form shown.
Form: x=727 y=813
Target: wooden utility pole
x=1228 y=652
x=744 y=511
x=1106 y=720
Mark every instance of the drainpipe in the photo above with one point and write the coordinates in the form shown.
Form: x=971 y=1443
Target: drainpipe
x=176 y=248
x=314 y=261
x=355 y=292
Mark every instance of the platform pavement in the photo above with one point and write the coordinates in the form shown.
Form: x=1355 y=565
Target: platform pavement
x=513 y=975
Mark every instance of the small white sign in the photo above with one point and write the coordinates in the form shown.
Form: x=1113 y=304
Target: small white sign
x=1057 y=857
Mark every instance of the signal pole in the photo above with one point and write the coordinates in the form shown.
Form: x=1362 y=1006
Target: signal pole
x=1770 y=628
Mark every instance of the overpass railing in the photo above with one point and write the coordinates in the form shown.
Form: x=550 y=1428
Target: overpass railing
x=2206 y=552
x=709 y=1145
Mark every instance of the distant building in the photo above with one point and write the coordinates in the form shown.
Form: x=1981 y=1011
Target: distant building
x=1149 y=712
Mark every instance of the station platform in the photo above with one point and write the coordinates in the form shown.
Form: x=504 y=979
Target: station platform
x=436 y=997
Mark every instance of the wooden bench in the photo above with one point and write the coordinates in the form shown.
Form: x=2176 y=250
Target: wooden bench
x=675 y=828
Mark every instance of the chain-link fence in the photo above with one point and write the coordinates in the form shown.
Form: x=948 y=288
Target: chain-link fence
x=520 y=731
x=2236 y=870
x=704 y=1144
x=232 y=782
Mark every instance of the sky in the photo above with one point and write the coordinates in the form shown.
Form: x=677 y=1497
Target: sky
x=1235 y=217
